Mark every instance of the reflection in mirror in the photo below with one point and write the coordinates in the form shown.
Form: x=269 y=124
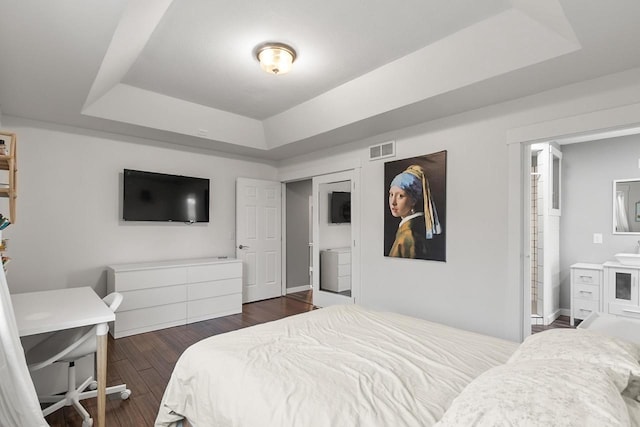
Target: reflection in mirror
x=626 y=206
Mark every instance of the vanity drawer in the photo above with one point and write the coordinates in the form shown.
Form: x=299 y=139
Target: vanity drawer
x=624 y=310
x=586 y=292
x=586 y=277
x=582 y=308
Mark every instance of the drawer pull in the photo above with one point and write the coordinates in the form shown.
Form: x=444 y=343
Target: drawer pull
x=585 y=310
x=626 y=310
x=587 y=277
x=586 y=292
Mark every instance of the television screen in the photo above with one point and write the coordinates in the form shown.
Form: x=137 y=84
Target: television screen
x=150 y=196
x=340 y=207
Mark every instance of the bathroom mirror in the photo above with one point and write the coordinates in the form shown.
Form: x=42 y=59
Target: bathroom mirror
x=626 y=206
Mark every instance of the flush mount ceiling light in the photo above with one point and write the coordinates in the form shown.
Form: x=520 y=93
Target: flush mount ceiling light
x=276 y=58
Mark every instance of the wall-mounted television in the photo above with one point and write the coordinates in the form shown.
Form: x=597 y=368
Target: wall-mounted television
x=151 y=196
x=340 y=207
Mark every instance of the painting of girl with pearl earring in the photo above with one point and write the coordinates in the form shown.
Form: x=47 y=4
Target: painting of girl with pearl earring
x=415 y=207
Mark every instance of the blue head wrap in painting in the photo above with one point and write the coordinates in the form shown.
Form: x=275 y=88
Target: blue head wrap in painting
x=409 y=183
x=413 y=181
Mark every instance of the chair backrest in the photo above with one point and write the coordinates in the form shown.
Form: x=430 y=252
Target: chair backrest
x=69 y=344
x=113 y=300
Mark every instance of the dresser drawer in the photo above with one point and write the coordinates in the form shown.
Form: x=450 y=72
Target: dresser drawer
x=582 y=308
x=205 y=273
x=143 y=298
x=214 y=288
x=149 y=319
x=209 y=308
x=585 y=276
x=344 y=270
x=344 y=258
x=586 y=292
x=339 y=284
x=145 y=279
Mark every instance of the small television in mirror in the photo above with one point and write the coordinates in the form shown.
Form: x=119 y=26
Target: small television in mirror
x=340 y=207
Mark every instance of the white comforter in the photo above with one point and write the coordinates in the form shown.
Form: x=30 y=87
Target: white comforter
x=337 y=366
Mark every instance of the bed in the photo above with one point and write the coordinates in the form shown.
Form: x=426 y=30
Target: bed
x=350 y=366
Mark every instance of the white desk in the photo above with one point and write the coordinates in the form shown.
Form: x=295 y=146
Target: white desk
x=49 y=311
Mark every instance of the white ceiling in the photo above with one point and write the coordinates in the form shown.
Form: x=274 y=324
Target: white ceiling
x=184 y=72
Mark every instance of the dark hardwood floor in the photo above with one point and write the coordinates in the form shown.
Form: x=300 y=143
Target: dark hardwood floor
x=560 y=322
x=304 y=296
x=145 y=361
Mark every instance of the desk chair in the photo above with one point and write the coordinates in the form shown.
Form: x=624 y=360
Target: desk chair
x=67 y=346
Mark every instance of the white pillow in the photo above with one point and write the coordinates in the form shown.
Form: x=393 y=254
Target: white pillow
x=541 y=393
x=582 y=345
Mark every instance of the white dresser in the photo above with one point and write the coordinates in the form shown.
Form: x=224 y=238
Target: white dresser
x=335 y=269
x=170 y=293
x=586 y=290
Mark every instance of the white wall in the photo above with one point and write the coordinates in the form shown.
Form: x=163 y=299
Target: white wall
x=68 y=206
x=473 y=289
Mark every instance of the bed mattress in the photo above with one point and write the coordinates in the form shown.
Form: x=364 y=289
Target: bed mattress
x=341 y=365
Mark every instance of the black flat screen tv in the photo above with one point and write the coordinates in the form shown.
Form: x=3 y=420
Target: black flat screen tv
x=340 y=207
x=150 y=196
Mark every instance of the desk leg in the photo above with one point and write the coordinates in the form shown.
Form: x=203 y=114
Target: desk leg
x=101 y=361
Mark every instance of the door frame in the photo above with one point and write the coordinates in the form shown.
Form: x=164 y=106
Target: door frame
x=588 y=126
x=309 y=171
x=323 y=298
x=283 y=227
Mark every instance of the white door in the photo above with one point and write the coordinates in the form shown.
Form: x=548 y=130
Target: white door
x=258 y=238
x=327 y=235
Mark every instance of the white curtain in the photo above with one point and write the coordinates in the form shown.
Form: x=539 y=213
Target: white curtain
x=18 y=400
x=622 y=223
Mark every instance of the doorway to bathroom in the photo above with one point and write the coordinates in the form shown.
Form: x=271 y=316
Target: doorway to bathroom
x=544 y=210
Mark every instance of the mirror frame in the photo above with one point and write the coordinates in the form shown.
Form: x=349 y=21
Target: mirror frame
x=613 y=203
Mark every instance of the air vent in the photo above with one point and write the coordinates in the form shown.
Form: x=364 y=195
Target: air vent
x=381 y=151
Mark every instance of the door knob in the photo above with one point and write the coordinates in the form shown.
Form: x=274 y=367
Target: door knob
x=243 y=247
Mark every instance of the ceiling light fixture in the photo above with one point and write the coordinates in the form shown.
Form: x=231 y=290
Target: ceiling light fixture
x=276 y=58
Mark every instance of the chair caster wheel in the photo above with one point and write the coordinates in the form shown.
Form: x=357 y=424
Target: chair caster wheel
x=93 y=385
x=124 y=395
x=88 y=423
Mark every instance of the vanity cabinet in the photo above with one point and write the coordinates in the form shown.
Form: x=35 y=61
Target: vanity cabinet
x=622 y=294
x=586 y=290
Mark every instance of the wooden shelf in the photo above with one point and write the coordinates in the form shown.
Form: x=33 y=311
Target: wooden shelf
x=8 y=162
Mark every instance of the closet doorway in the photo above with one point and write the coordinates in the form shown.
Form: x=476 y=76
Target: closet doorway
x=542 y=213
x=322 y=180
x=298 y=236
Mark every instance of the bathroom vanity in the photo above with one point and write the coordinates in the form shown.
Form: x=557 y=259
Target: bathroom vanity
x=621 y=287
x=586 y=290
x=610 y=288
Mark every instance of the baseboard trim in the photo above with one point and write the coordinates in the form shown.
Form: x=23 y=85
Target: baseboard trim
x=298 y=289
x=552 y=317
x=565 y=312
